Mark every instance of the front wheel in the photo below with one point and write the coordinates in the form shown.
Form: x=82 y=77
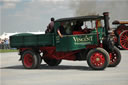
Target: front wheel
x=52 y=62
x=115 y=57
x=98 y=59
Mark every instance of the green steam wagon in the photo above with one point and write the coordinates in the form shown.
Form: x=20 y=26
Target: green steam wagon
x=92 y=43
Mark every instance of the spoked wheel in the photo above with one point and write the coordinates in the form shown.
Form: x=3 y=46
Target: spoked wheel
x=30 y=59
x=52 y=62
x=98 y=59
x=123 y=39
x=115 y=57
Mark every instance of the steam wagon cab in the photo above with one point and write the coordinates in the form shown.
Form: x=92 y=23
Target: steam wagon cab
x=85 y=38
x=121 y=33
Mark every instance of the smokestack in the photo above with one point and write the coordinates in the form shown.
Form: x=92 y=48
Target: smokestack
x=106 y=22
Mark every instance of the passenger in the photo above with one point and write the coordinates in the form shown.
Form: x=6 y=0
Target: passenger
x=68 y=28
x=85 y=30
x=78 y=25
x=61 y=30
x=50 y=27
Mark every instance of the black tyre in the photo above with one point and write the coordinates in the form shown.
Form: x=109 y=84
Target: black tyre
x=52 y=62
x=40 y=60
x=30 y=59
x=115 y=57
x=98 y=59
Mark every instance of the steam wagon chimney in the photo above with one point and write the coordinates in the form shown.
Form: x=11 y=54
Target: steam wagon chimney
x=106 y=22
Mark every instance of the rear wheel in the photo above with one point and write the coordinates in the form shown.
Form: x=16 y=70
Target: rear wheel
x=115 y=57
x=98 y=59
x=52 y=62
x=123 y=39
x=30 y=59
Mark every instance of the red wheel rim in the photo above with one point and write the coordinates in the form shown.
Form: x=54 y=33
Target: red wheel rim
x=97 y=59
x=28 y=60
x=113 y=57
x=124 y=40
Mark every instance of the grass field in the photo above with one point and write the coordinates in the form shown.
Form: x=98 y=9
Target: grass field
x=8 y=50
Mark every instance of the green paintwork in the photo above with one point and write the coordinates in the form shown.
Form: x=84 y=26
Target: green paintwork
x=101 y=32
x=75 y=42
x=27 y=40
x=67 y=43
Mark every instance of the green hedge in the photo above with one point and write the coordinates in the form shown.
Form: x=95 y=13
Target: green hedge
x=8 y=50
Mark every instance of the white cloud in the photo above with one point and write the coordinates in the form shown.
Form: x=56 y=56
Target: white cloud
x=49 y=0
x=10 y=0
x=34 y=15
x=13 y=3
x=9 y=3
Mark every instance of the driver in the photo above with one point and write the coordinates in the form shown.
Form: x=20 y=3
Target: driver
x=78 y=26
x=61 y=30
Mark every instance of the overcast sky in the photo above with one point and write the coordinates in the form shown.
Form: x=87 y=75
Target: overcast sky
x=31 y=15
x=34 y=15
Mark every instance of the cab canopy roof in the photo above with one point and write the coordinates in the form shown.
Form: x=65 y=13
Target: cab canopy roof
x=83 y=18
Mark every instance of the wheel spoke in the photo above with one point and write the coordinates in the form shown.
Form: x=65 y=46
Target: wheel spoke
x=113 y=57
x=124 y=40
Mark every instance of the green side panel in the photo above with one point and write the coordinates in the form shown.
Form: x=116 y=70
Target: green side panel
x=18 y=40
x=100 y=32
x=31 y=40
x=75 y=42
x=46 y=39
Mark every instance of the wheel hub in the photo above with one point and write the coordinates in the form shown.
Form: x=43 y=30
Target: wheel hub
x=28 y=61
x=98 y=59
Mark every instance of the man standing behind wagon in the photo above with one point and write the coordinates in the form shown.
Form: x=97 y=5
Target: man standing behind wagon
x=50 y=26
